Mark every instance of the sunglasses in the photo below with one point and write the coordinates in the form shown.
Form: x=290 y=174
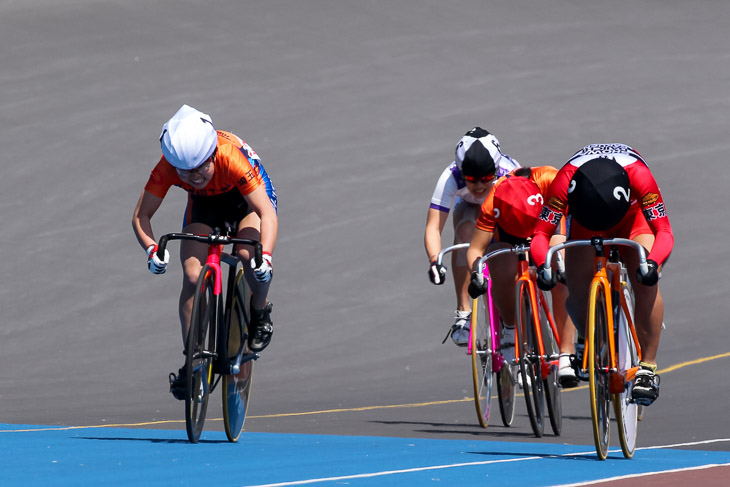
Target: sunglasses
x=201 y=168
x=483 y=179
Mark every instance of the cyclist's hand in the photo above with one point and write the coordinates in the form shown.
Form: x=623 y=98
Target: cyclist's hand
x=477 y=288
x=263 y=272
x=543 y=282
x=437 y=273
x=652 y=275
x=154 y=263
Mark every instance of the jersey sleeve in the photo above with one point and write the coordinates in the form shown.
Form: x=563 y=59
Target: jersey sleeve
x=644 y=186
x=445 y=192
x=162 y=177
x=552 y=213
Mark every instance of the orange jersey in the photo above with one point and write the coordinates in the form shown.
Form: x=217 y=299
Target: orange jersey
x=542 y=176
x=233 y=169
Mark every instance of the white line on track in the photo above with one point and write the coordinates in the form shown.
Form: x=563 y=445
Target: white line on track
x=491 y=462
x=392 y=472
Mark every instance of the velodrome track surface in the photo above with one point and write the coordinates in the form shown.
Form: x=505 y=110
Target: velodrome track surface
x=354 y=108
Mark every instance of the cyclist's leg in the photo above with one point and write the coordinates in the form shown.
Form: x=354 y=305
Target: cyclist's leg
x=262 y=327
x=565 y=328
x=249 y=227
x=649 y=305
x=503 y=272
x=578 y=275
x=464 y=219
x=192 y=258
x=563 y=323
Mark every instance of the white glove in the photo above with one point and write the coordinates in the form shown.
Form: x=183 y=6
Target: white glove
x=264 y=271
x=154 y=264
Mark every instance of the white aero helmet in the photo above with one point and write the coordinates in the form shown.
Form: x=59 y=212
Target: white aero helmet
x=188 y=139
x=478 y=153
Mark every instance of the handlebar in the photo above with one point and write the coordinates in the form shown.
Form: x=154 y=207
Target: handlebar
x=214 y=238
x=440 y=257
x=515 y=249
x=597 y=243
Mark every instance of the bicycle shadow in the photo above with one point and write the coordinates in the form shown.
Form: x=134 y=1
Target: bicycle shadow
x=449 y=429
x=169 y=441
x=591 y=457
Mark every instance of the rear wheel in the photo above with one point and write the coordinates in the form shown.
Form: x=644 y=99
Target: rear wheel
x=237 y=387
x=552 y=388
x=200 y=354
x=599 y=364
x=529 y=360
x=481 y=360
x=625 y=411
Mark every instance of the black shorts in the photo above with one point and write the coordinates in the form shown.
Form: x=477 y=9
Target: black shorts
x=221 y=210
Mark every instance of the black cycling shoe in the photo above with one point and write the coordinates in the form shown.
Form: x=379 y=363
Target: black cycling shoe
x=177 y=383
x=261 y=328
x=646 y=387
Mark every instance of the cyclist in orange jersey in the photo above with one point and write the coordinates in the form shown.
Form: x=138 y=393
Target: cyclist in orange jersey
x=508 y=216
x=227 y=186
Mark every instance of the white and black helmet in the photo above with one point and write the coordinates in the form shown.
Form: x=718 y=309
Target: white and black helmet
x=478 y=153
x=188 y=139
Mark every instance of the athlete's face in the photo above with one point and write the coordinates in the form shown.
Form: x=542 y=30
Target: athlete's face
x=199 y=177
x=479 y=187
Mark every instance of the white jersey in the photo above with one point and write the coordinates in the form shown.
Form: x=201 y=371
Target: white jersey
x=451 y=185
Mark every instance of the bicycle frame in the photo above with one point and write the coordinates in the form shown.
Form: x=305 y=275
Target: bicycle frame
x=602 y=265
x=216 y=241
x=208 y=360
x=545 y=361
x=527 y=277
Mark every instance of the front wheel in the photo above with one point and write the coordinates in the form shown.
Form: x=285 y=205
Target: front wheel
x=200 y=354
x=552 y=352
x=481 y=360
x=237 y=387
x=506 y=385
x=529 y=359
x=599 y=367
x=626 y=412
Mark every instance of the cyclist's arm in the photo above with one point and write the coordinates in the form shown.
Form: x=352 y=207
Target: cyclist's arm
x=259 y=202
x=142 y=216
x=477 y=247
x=435 y=222
x=652 y=205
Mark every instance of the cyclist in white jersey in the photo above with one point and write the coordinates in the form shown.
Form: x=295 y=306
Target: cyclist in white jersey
x=462 y=187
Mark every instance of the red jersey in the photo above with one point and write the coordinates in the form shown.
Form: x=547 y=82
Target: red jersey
x=233 y=169
x=644 y=196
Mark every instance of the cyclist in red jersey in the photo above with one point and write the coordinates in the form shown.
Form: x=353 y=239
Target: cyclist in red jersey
x=508 y=216
x=227 y=186
x=608 y=190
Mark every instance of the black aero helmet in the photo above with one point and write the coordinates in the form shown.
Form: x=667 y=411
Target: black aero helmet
x=478 y=153
x=599 y=194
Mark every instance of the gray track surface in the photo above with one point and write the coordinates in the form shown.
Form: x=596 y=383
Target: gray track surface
x=355 y=108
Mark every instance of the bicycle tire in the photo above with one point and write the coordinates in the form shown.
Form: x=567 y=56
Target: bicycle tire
x=625 y=411
x=236 y=388
x=506 y=385
x=199 y=354
x=552 y=388
x=481 y=360
x=598 y=350
x=529 y=361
